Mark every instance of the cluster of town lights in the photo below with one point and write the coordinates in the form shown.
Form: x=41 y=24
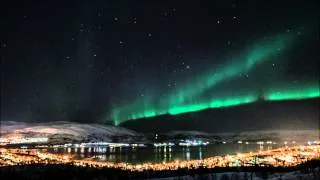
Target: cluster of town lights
x=285 y=156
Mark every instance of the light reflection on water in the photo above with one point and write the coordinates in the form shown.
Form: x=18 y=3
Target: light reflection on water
x=157 y=154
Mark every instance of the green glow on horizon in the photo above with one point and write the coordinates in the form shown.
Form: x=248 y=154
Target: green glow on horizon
x=213 y=104
x=307 y=93
x=233 y=102
x=188 y=108
x=186 y=98
x=297 y=93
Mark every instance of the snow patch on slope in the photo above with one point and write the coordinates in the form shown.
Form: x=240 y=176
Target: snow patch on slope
x=65 y=132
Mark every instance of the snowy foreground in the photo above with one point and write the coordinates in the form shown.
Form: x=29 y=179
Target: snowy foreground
x=295 y=175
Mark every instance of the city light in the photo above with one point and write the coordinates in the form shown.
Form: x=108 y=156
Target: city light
x=163 y=144
x=193 y=143
x=281 y=157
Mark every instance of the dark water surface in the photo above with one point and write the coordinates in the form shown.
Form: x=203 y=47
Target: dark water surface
x=159 y=154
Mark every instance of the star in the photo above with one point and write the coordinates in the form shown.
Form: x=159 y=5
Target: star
x=3 y=45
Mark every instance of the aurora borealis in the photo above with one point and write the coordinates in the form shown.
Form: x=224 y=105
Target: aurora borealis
x=188 y=98
x=293 y=94
x=121 y=62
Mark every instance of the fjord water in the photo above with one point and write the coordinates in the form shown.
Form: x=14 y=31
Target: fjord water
x=157 y=154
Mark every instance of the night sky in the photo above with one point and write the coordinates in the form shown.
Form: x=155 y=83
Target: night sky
x=113 y=61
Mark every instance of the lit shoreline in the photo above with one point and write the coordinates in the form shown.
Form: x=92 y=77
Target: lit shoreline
x=280 y=157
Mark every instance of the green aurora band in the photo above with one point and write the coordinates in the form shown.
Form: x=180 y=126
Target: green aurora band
x=258 y=53
x=293 y=94
x=186 y=99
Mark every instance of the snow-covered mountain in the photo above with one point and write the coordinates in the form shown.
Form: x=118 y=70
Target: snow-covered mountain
x=273 y=135
x=69 y=132
x=187 y=133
